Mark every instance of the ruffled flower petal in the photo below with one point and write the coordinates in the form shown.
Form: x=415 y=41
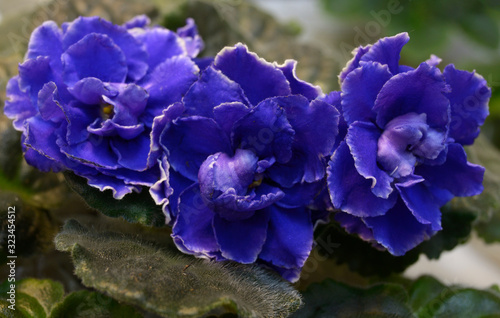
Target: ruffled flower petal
x=362 y=140
x=386 y=51
x=298 y=86
x=258 y=78
x=289 y=238
x=456 y=175
x=192 y=231
x=398 y=230
x=167 y=84
x=419 y=91
x=188 y=155
x=265 y=131
x=469 y=99
x=212 y=89
x=48 y=32
x=95 y=55
x=242 y=241
x=18 y=105
x=347 y=186
x=135 y=53
x=360 y=90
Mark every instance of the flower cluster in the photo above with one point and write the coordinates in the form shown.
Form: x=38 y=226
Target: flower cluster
x=87 y=93
x=241 y=153
x=245 y=155
x=402 y=158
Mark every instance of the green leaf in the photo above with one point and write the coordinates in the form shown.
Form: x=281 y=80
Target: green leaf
x=163 y=280
x=41 y=298
x=134 y=207
x=431 y=298
x=91 y=304
x=45 y=291
x=424 y=298
x=463 y=303
x=366 y=260
x=333 y=299
x=487 y=204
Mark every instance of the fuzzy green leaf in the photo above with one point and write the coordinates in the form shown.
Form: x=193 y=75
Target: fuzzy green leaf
x=366 y=260
x=424 y=298
x=134 y=207
x=84 y=303
x=162 y=280
x=45 y=291
x=333 y=299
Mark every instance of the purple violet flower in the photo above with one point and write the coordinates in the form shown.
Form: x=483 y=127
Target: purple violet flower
x=247 y=150
x=87 y=93
x=402 y=158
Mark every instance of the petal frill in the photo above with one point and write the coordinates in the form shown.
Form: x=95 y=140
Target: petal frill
x=298 y=86
x=351 y=192
x=104 y=182
x=192 y=40
x=242 y=240
x=398 y=230
x=387 y=51
x=362 y=139
x=18 y=105
x=258 y=78
x=94 y=152
x=469 y=99
x=353 y=63
x=41 y=136
x=360 y=90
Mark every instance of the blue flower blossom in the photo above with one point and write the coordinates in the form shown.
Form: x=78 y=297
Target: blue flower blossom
x=87 y=93
x=402 y=158
x=245 y=156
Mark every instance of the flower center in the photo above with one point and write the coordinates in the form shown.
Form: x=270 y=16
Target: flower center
x=107 y=111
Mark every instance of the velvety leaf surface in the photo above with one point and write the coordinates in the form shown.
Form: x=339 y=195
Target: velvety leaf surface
x=85 y=303
x=45 y=298
x=134 y=207
x=333 y=299
x=425 y=297
x=124 y=267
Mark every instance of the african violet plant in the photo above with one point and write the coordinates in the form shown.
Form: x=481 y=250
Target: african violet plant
x=243 y=158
